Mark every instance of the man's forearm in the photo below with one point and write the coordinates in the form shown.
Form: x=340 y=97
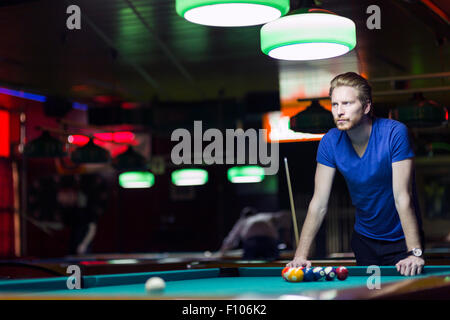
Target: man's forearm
x=90 y=234
x=310 y=227
x=408 y=220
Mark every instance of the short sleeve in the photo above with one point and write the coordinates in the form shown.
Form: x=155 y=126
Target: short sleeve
x=400 y=144
x=325 y=155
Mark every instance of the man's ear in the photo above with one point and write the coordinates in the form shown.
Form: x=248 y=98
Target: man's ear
x=368 y=108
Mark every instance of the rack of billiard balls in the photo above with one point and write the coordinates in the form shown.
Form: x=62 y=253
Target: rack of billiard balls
x=314 y=274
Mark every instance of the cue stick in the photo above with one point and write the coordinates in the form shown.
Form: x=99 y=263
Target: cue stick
x=291 y=199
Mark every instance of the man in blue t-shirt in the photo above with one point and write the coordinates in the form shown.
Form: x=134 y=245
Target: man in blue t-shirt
x=375 y=157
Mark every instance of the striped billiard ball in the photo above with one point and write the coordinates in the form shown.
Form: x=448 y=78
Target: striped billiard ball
x=294 y=275
x=330 y=273
x=319 y=273
x=283 y=272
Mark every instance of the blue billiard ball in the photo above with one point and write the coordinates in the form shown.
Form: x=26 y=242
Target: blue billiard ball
x=330 y=273
x=319 y=273
x=309 y=275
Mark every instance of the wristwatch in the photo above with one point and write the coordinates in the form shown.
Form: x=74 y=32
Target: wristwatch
x=417 y=252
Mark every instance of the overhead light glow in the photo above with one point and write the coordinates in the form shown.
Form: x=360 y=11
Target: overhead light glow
x=189 y=177
x=23 y=94
x=78 y=139
x=246 y=174
x=118 y=137
x=123 y=261
x=306 y=35
x=308 y=51
x=231 y=13
x=4 y=134
x=136 y=179
x=80 y=106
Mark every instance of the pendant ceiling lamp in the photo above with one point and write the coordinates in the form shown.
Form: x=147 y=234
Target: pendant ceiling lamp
x=231 y=13
x=420 y=112
x=45 y=146
x=130 y=160
x=315 y=119
x=308 y=34
x=90 y=153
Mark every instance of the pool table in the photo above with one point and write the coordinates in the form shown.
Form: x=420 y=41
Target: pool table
x=252 y=283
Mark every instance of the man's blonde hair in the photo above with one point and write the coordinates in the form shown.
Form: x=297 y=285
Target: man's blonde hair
x=354 y=80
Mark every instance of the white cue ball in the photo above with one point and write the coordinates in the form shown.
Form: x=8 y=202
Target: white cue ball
x=155 y=285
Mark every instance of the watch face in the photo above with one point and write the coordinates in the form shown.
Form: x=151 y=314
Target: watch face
x=417 y=252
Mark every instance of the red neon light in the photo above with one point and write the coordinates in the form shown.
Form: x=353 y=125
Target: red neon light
x=119 y=137
x=94 y=262
x=78 y=139
x=104 y=140
x=129 y=105
x=4 y=134
x=104 y=136
x=104 y=99
x=124 y=137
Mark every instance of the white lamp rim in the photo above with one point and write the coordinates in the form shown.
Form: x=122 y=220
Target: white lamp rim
x=330 y=50
x=231 y=13
x=182 y=6
x=308 y=27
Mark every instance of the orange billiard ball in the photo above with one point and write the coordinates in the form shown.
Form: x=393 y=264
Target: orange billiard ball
x=293 y=274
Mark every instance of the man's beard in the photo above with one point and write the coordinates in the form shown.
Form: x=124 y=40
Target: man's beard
x=349 y=124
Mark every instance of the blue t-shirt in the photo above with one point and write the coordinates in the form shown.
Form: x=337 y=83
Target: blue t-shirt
x=369 y=178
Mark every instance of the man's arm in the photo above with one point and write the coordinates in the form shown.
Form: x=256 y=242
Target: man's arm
x=82 y=247
x=316 y=212
x=402 y=174
x=233 y=237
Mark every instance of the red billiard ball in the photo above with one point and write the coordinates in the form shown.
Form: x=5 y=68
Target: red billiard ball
x=342 y=273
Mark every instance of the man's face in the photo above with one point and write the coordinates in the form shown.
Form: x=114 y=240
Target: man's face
x=346 y=108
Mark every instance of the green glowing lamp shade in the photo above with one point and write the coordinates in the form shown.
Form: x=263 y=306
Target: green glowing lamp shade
x=189 y=177
x=136 y=179
x=246 y=174
x=308 y=35
x=231 y=13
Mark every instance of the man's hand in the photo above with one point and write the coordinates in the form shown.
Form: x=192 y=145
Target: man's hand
x=82 y=248
x=410 y=266
x=299 y=262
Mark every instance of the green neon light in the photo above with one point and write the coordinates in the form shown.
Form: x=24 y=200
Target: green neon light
x=136 y=179
x=189 y=177
x=185 y=5
x=245 y=174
